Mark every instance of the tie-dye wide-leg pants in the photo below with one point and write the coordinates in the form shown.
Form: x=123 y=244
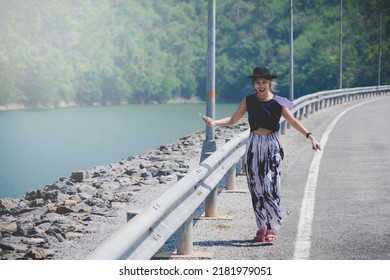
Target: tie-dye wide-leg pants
x=263 y=158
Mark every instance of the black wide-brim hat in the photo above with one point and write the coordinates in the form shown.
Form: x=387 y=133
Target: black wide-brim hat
x=262 y=72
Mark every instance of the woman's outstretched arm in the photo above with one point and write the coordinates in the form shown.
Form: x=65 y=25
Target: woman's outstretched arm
x=300 y=128
x=229 y=120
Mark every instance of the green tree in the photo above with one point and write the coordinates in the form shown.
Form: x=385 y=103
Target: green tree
x=118 y=51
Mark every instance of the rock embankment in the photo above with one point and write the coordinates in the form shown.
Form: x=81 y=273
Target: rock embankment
x=75 y=214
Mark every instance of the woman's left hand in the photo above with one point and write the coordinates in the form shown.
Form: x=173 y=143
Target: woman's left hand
x=316 y=146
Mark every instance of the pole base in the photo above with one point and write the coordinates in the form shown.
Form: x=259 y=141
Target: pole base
x=208 y=147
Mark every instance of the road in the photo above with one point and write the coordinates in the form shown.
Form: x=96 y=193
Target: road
x=352 y=210
x=341 y=213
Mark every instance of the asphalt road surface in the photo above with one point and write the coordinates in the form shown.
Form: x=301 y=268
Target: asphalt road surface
x=347 y=213
x=352 y=209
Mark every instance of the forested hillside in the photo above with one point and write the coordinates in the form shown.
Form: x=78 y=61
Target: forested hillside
x=140 y=51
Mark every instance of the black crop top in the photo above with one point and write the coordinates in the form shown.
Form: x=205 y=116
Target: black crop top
x=263 y=114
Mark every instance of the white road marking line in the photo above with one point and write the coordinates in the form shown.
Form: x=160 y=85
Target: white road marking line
x=303 y=243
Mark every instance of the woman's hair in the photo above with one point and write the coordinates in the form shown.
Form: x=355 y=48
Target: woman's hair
x=273 y=85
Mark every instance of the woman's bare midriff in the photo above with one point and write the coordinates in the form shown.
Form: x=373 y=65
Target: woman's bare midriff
x=262 y=131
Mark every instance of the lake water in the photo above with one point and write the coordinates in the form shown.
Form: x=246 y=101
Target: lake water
x=37 y=147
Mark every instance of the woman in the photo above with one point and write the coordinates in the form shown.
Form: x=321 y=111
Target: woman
x=264 y=153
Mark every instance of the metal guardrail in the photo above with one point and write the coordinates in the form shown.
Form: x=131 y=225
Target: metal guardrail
x=320 y=100
x=147 y=232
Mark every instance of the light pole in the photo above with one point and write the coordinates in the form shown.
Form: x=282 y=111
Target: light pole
x=380 y=45
x=291 y=50
x=209 y=144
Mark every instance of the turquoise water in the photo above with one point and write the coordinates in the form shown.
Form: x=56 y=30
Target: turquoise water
x=39 y=146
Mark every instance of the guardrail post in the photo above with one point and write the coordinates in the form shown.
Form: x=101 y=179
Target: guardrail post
x=300 y=112
x=185 y=238
x=185 y=235
x=283 y=128
x=230 y=177
x=306 y=111
x=211 y=203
